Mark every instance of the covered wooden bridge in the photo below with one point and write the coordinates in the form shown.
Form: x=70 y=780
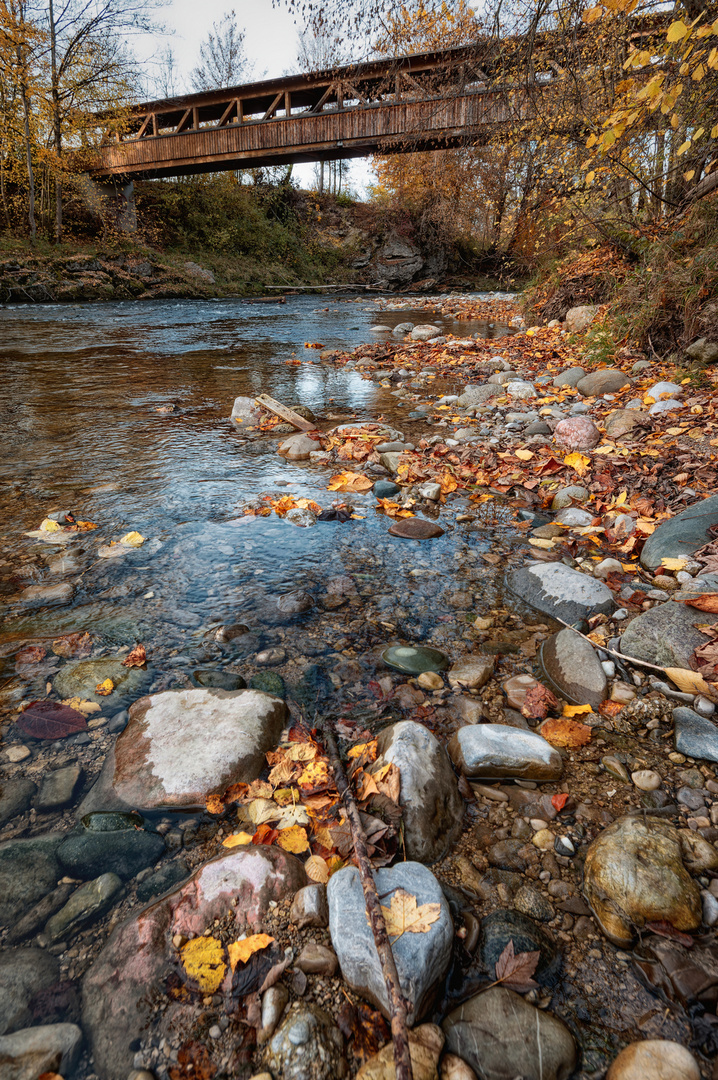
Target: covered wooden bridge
x=420 y=102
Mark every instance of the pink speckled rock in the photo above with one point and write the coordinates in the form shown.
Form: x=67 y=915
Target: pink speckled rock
x=577 y=433
x=120 y=989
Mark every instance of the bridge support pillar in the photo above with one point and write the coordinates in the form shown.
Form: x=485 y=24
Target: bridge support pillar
x=114 y=203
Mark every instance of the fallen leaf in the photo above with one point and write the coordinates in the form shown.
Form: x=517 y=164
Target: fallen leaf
x=404 y=916
x=301 y=752
x=50 y=526
x=673 y=564
x=515 y=969
x=293 y=839
x=265 y=834
x=132 y=539
x=578 y=462
x=203 y=960
x=538 y=702
x=706 y=602
x=237 y=840
x=85 y=707
x=558 y=801
x=393 y=510
x=73 y=645
x=690 y=682
x=316 y=869
x=565 y=732
x=314 y=778
x=214 y=805
x=539 y=542
x=350 y=481
x=576 y=710
x=667 y=930
x=136 y=658
x=240 y=951
x=105 y=687
x=50 y=720
x=33 y=654
x=524 y=455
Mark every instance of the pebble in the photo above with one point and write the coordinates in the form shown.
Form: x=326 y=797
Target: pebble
x=309 y=907
x=430 y=680
x=646 y=779
x=654 y=1059
x=17 y=753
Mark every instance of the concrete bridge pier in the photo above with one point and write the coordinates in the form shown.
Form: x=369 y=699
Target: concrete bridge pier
x=113 y=201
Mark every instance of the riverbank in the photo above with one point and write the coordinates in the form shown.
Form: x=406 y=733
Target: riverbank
x=404 y=572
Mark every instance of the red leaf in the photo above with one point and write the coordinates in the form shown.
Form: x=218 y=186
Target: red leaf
x=265 y=834
x=539 y=700
x=559 y=801
x=50 y=720
x=515 y=970
x=33 y=654
x=667 y=930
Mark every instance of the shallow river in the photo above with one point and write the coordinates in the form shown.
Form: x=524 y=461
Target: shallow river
x=78 y=398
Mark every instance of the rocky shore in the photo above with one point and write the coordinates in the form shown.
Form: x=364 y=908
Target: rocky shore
x=538 y=786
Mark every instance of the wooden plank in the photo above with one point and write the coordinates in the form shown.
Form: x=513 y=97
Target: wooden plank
x=273 y=107
x=226 y=114
x=284 y=413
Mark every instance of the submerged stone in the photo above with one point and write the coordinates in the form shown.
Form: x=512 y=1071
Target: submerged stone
x=269 y=682
x=415 y=529
x=414 y=660
x=218 y=680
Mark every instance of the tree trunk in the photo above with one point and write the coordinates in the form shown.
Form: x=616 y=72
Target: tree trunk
x=28 y=155
x=56 y=124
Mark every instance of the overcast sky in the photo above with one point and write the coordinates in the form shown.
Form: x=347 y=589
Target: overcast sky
x=271 y=43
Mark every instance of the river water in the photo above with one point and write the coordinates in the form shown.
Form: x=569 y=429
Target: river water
x=79 y=398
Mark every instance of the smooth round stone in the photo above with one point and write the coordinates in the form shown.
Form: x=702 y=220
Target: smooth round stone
x=414 y=661
x=654 y=1059
x=268 y=681
x=384 y=489
x=502 y=926
x=295 y=602
x=577 y=433
x=646 y=779
x=218 y=680
x=111 y=821
x=429 y=680
x=415 y=529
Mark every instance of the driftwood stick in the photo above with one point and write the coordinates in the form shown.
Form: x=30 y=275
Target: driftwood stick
x=397 y=1003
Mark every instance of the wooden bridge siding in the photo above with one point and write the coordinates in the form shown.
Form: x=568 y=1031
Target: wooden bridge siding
x=290 y=138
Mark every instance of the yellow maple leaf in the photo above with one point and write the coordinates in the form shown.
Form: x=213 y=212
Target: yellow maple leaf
x=105 y=687
x=293 y=839
x=50 y=526
x=349 y=481
x=203 y=960
x=237 y=839
x=132 y=539
x=242 y=950
x=673 y=564
x=404 y=916
x=576 y=710
x=578 y=462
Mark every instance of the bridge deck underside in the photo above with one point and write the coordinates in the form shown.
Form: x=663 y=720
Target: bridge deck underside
x=355 y=131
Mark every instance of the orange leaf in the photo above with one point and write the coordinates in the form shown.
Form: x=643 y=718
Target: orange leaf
x=265 y=834
x=706 y=602
x=214 y=804
x=565 y=732
x=350 y=481
x=314 y=778
x=237 y=839
x=240 y=951
x=105 y=688
x=317 y=869
x=136 y=658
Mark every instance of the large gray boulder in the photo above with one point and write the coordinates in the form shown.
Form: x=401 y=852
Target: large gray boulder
x=397 y=261
x=422 y=959
x=182 y=745
x=429 y=795
x=681 y=535
x=665 y=634
x=557 y=590
x=703 y=350
x=502 y=1036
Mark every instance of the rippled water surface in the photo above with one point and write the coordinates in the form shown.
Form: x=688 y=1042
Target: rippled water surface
x=79 y=397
